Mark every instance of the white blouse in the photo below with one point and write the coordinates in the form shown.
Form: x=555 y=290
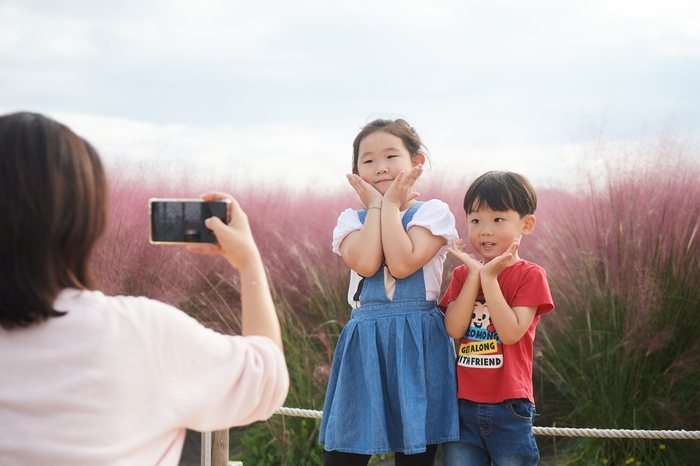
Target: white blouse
x=435 y=216
x=117 y=380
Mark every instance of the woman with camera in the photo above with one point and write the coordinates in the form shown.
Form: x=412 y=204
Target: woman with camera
x=91 y=379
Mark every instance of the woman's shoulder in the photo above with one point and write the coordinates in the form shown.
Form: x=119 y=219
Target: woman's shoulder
x=97 y=298
x=135 y=309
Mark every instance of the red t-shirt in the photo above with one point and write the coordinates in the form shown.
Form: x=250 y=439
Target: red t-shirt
x=487 y=370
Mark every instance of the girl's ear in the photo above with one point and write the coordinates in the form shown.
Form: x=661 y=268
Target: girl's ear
x=418 y=158
x=529 y=224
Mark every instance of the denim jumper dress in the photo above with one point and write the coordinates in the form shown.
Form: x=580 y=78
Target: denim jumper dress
x=392 y=385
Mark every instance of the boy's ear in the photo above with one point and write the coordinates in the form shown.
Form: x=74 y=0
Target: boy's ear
x=419 y=158
x=529 y=224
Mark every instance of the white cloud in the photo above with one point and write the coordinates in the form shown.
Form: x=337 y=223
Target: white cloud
x=282 y=87
x=298 y=156
x=26 y=35
x=294 y=156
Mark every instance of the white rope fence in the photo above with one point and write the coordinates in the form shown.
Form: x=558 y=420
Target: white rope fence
x=556 y=431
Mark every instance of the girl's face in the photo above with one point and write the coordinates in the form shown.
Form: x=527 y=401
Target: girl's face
x=381 y=157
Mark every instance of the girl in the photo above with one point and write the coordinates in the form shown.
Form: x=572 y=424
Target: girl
x=392 y=383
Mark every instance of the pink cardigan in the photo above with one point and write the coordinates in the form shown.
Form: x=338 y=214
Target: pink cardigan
x=118 y=379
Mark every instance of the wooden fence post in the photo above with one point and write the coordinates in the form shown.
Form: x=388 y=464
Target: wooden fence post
x=215 y=448
x=219 y=448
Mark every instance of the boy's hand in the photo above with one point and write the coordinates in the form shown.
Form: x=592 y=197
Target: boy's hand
x=458 y=250
x=369 y=196
x=498 y=264
x=458 y=245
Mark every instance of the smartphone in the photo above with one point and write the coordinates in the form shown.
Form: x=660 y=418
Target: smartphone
x=181 y=221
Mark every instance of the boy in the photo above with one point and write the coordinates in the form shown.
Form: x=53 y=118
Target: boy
x=493 y=308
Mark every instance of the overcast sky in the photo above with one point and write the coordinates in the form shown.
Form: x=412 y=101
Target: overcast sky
x=277 y=90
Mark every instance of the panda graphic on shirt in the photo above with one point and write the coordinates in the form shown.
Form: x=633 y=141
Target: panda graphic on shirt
x=480 y=347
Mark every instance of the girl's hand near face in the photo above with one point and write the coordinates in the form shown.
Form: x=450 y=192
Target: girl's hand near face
x=362 y=249
x=369 y=196
x=401 y=189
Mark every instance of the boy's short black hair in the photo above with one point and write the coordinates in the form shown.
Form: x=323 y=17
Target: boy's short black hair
x=501 y=191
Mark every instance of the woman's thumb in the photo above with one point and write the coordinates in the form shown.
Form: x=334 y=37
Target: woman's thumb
x=214 y=223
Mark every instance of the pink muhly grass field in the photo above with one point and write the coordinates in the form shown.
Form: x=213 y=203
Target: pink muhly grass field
x=619 y=251
x=621 y=349
x=628 y=229
x=292 y=231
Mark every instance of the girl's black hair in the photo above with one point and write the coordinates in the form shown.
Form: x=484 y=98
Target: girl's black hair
x=399 y=128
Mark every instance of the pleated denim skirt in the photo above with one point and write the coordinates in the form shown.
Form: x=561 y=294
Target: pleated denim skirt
x=392 y=385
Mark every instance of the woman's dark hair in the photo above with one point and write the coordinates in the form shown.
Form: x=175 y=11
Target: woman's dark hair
x=501 y=191
x=54 y=205
x=399 y=128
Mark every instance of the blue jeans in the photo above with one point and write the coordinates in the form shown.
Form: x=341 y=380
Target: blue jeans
x=498 y=434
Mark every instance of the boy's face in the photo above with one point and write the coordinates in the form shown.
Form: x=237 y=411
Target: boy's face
x=492 y=232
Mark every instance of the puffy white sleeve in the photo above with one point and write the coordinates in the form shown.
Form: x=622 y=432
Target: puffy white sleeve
x=435 y=216
x=214 y=381
x=348 y=222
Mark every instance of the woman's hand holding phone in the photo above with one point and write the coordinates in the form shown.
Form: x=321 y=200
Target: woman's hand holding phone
x=237 y=245
x=236 y=241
